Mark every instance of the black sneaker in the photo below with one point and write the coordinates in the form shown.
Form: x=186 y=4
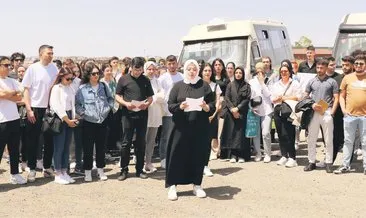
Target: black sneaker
x=141 y=175
x=79 y=171
x=342 y=170
x=328 y=168
x=310 y=167
x=122 y=176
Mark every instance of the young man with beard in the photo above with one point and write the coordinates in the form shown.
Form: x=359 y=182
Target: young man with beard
x=352 y=102
x=324 y=89
x=37 y=84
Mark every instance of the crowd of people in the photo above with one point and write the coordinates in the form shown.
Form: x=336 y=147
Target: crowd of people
x=199 y=113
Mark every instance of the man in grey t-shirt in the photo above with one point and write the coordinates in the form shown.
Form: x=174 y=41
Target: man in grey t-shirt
x=324 y=91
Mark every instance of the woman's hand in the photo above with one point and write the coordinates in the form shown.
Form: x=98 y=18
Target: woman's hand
x=234 y=110
x=71 y=123
x=183 y=105
x=205 y=106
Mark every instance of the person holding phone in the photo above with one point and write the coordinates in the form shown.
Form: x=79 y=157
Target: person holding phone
x=62 y=102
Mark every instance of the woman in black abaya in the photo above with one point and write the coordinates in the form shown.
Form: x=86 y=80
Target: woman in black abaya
x=237 y=99
x=187 y=146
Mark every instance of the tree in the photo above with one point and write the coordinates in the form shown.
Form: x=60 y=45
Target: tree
x=303 y=42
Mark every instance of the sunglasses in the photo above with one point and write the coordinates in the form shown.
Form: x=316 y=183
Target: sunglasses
x=95 y=74
x=6 y=65
x=21 y=60
x=359 y=63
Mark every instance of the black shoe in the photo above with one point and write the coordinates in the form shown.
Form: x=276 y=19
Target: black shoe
x=141 y=175
x=328 y=168
x=310 y=167
x=122 y=176
x=79 y=171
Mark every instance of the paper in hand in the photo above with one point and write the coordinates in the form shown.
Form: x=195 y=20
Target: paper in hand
x=137 y=104
x=194 y=104
x=324 y=106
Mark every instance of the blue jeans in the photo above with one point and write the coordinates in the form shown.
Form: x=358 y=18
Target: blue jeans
x=167 y=128
x=351 y=124
x=61 y=152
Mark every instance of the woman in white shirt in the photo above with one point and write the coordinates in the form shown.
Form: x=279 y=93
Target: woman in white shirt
x=265 y=111
x=155 y=114
x=209 y=77
x=62 y=102
x=283 y=90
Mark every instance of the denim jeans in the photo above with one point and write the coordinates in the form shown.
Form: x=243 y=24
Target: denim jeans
x=167 y=128
x=351 y=124
x=61 y=152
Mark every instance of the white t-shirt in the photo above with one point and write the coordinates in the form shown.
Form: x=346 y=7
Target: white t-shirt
x=8 y=109
x=39 y=79
x=167 y=82
x=218 y=89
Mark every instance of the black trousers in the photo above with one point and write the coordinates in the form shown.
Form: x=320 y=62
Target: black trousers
x=286 y=134
x=114 y=130
x=94 y=133
x=23 y=144
x=338 y=132
x=10 y=135
x=33 y=132
x=131 y=126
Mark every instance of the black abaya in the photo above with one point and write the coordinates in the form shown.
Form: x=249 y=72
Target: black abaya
x=187 y=145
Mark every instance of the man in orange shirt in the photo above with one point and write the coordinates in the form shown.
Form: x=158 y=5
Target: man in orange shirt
x=352 y=102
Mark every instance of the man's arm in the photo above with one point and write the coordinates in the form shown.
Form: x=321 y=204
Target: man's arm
x=5 y=94
x=342 y=101
x=27 y=102
x=335 y=103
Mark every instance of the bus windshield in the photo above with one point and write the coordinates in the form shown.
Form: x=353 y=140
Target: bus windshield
x=228 y=50
x=347 y=43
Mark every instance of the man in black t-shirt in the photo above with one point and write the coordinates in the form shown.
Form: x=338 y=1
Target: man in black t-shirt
x=309 y=65
x=134 y=93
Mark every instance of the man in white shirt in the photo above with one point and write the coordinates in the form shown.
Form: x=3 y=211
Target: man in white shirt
x=37 y=84
x=9 y=119
x=167 y=81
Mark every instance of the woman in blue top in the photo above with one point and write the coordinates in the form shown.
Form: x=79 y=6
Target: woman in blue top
x=93 y=104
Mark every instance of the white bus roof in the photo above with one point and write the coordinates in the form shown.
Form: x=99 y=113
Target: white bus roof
x=224 y=29
x=354 y=18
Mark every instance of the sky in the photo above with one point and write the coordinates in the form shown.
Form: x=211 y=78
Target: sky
x=95 y=28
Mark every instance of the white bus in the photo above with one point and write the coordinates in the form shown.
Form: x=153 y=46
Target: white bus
x=243 y=42
x=351 y=36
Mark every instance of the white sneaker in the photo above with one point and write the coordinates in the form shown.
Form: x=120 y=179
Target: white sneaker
x=207 y=172
x=68 y=178
x=232 y=160
x=94 y=165
x=291 y=163
x=172 y=193
x=31 y=176
x=359 y=152
x=241 y=160
x=150 y=168
x=60 y=179
x=101 y=174
x=282 y=161
x=258 y=157
x=88 y=176
x=198 y=191
x=17 y=179
x=267 y=158
x=163 y=163
x=39 y=164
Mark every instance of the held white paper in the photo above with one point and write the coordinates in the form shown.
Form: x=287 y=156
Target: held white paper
x=194 y=104
x=137 y=104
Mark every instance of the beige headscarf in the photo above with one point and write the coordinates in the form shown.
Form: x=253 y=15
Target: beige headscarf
x=147 y=65
x=186 y=79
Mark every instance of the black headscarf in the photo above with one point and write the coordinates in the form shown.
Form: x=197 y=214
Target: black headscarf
x=239 y=83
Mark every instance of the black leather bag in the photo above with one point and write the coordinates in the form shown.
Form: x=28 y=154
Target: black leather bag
x=286 y=110
x=51 y=123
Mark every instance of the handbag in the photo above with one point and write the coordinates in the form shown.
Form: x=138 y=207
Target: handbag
x=285 y=110
x=51 y=123
x=251 y=129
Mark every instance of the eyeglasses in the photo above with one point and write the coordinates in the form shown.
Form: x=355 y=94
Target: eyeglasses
x=21 y=60
x=359 y=63
x=6 y=65
x=95 y=73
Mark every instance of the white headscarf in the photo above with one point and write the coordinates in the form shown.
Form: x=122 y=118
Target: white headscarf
x=147 y=65
x=186 y=79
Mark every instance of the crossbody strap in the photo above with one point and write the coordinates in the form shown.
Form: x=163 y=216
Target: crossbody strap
x=287 y=88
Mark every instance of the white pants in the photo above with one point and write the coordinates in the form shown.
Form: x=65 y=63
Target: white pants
x=326 y=122
x=266 y=124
